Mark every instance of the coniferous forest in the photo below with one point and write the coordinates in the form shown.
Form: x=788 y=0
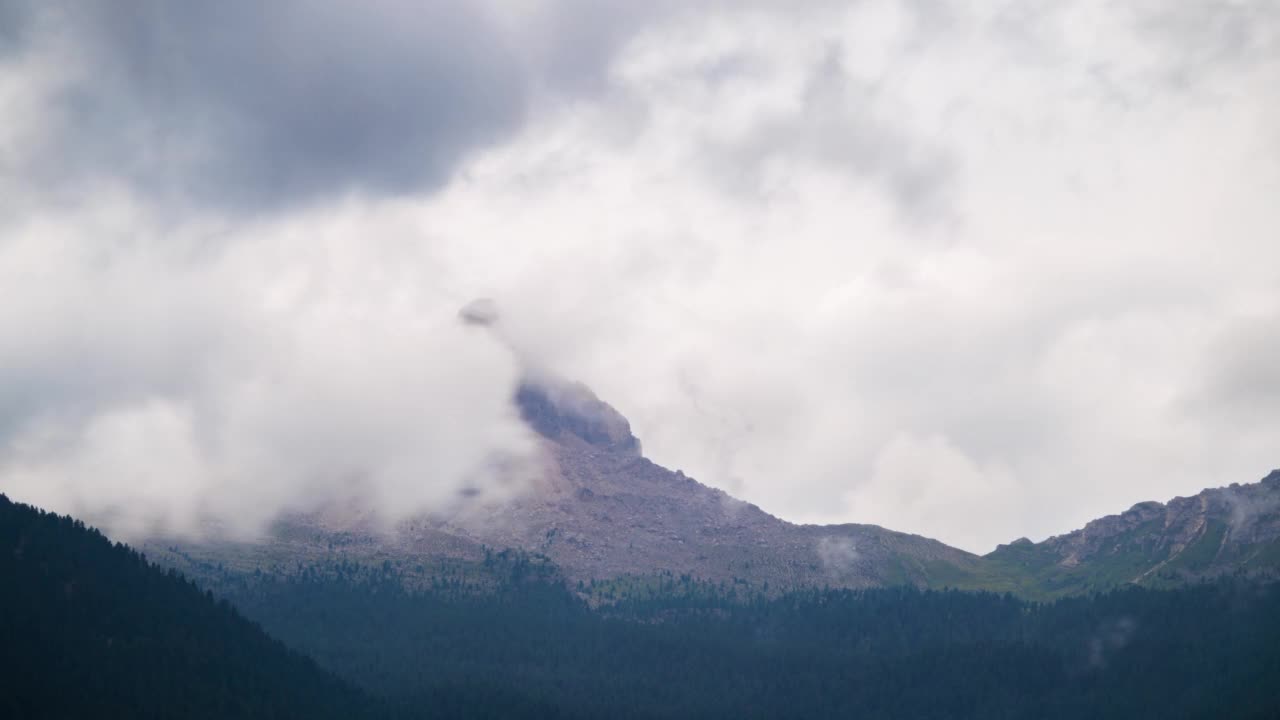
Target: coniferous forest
x=1210 y=650
x=91 y=629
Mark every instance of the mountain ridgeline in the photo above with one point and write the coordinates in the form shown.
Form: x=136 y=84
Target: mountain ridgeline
x=599 y=510
x=1222 y=531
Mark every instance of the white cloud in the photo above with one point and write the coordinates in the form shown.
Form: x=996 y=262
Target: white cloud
x=928 y=484
x=862 y=262
x=285 y=370
x=776 y=322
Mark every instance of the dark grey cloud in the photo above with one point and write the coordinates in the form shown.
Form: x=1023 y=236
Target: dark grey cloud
x=14 y=18
x=256 y=105
x=1240 y=374
x=246 y=105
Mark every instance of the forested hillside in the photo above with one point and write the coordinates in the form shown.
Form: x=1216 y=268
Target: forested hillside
x=89 y=629
x=681 y=648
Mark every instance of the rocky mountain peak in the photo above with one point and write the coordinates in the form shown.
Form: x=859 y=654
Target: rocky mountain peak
x=555 y=408
x=559 y=410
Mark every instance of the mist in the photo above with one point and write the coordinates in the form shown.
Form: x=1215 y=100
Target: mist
x=190 y=394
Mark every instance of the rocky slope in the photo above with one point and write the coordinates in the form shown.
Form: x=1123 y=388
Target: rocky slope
x=1220 y=531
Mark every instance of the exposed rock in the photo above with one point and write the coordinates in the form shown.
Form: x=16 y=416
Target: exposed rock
x=556 y=409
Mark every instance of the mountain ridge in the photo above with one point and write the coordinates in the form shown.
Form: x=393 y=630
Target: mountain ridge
x=1217 y=531
x=599 y=509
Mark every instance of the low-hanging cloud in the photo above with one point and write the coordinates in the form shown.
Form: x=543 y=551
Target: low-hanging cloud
x=971 y=272
x=156 y=377
x=166 y=395
x=839 y=556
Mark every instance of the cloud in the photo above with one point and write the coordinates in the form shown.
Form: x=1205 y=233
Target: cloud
x=867 y=261
x=1112 y=636
x=253 y=106
x=14 y=19
x=929 y=484
x=288 y=371
x=838 y=555
x=1032 y=344
x=1241 y=380
x=249 y=107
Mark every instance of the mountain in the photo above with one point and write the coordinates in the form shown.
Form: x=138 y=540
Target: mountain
x=598 y=509
x=1220 y=531
x=92 y=629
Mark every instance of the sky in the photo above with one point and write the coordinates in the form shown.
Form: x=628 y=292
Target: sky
x=970 y=270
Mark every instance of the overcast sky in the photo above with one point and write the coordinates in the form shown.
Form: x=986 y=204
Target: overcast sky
x=969 y=270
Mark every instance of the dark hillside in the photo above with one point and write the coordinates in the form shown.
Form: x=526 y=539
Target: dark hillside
x=91 y=629
x=684 y=648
